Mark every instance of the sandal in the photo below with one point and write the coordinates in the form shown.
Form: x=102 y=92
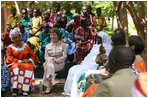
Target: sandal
x=14 y=94
x=47 y=91
x=25 y=94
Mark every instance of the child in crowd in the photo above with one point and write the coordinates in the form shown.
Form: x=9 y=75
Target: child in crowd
x=25 y=20
x=76 y=21
x=68 y=13
x=64 y=20
x=44 y=39
x=53 y=16
x=70 y=43
x=58 y=24
x=36 y=23
x=30 y=13
x=78 y=11
x=46 y=19
x=25 y=35
x=84 y=40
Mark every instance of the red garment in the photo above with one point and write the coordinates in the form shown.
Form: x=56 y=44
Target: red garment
x=21 y=74
x=74 y=24
x=6 y=39
x=83 y=36
x=89 y=18
x=53 y=17
x=45 y=21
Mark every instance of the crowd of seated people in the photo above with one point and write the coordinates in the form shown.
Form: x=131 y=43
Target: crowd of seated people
x=38 y=45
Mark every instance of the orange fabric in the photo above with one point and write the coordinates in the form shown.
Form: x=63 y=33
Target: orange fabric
x=20 y=78
x=90 y=91
x=14 y=55
x=140 y=66
x=21 y=74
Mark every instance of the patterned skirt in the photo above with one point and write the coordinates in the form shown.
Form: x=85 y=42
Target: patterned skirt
x=22 y=76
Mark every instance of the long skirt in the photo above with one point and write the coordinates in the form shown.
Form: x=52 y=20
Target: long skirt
x=22 y=76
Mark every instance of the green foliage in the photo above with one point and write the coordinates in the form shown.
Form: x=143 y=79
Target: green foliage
x=44 y=5
x=132 y=26
x=106 y=6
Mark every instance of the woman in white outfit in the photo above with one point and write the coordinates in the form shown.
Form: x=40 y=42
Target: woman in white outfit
x=88 y=63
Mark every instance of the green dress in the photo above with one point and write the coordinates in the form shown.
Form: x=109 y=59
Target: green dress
x=45 y=39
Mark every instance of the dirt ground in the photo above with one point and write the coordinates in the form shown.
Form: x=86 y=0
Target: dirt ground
x=56 y=90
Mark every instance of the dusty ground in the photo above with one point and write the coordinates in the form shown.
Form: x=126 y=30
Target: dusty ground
x=56 y=91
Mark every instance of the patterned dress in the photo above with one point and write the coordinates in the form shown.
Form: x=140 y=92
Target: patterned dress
x=83 y=36
x=21 y=74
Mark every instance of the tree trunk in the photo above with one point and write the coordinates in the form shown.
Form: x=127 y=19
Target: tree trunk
x=140 y=22
x=121 y=15
x=113 y=23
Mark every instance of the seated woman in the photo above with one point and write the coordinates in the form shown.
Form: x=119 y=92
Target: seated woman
x=88 y=63
x=137 y=44
x=21 y=62
x=55 y=55
x=94 y=76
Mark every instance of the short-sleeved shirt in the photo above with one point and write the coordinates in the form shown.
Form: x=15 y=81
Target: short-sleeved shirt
x=25 y=36
x=99 y=21
x=13 y=21
x=36 y=23
x=69 y=16
x=26 y=21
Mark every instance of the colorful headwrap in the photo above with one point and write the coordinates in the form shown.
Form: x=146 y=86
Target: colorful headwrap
x=14 y=32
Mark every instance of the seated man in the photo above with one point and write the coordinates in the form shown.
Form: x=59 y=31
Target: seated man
x=122 y=79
